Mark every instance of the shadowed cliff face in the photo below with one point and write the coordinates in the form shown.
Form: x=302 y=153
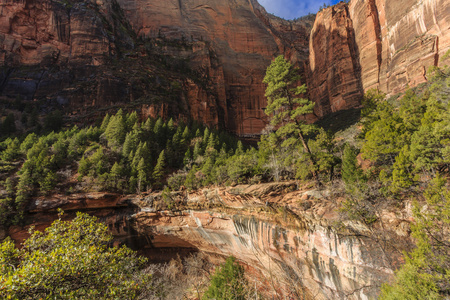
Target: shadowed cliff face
x=333 y=66
x=243 y=38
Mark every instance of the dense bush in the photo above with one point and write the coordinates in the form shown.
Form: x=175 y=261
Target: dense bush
x=70 y=260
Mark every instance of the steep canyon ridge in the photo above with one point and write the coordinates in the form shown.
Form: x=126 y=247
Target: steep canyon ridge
x=85 y=54
x=205 y=60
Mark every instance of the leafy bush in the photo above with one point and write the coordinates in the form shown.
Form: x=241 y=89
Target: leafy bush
x=70 y=260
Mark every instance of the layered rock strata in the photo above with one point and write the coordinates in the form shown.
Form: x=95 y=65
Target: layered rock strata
x=228 y=47
x=286 y=236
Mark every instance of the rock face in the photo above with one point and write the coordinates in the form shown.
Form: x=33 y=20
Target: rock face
x=205 y=59
x=399 y=40
x=386 y=45
x=282 y=234
x=79 y=54
x=334 y=71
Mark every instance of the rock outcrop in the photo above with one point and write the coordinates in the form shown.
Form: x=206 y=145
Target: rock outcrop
x=399 y=40
x=333 y=66
x=279 y=232
x=377 y=44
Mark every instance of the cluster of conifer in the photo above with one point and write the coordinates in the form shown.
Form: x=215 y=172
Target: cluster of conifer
x=407 y=141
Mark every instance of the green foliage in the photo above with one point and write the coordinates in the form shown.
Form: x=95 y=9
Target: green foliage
x=116 y=130
x=287 y=109
x=159 y=171
x=70 y=260
x=228 y=282
x=351 y=171
x=426 y=272
x=12 y=150
x=410 y=138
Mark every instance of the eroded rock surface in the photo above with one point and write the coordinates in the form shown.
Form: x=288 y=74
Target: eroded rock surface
x=399 y=40
x=276 y=229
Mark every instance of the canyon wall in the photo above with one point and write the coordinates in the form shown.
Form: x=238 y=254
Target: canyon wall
x=386 y=45
x=91 y=56
x=95 y=55
x=399 y=41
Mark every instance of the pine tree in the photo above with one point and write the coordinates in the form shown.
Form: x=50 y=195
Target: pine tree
x=105 y=122
x=239 y=148
x=148 y=125
x=115 y=176
x=187 y=157
x=401 y=174
x=24 y=187
x=185 y=136
x=159 y=171
x=129 y=144
x=142 y=174
x=197 y=150
x=12 y=151
x=205 y=138
x=351 y=172
x=99 y=161
x=131 y=120
x=285 y=107
x=116 y=130
x=171 y=126
x=49 y=182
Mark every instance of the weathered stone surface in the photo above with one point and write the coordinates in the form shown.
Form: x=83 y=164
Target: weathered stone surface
x=274 y=228
x=374 y=44
x=334 y=71
x=232 y=43
x=399 y=40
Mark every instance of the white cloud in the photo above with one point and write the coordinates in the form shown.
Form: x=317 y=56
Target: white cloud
x=291 y=9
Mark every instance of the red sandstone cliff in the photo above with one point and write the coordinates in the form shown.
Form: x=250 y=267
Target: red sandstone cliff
x=227 y=45
x=400 y=40
x=91 y=56
x=387 y=45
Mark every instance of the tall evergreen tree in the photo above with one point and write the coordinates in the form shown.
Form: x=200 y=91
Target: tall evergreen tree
x=286 y=108
x=351 y=172
x=160 y=169
x=115 y=132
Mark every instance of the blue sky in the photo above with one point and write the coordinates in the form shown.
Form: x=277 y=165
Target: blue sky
x=291 y=9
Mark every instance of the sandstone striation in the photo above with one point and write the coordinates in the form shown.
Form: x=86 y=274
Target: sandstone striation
x=334 y=71
x=68 y=53
x=275 y=229
x=399 y=40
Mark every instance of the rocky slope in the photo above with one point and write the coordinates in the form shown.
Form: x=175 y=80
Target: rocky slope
x=287 y=237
